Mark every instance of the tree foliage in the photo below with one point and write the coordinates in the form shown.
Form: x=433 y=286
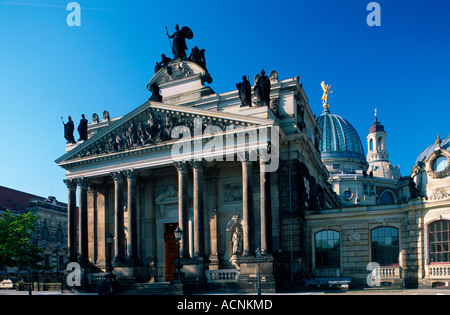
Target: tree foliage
x=16 y=246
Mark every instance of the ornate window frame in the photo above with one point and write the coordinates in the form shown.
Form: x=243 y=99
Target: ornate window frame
x=433 y=157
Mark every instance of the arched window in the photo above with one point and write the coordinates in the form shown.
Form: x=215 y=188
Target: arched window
x=327 y=248
x=371 y=144
x=438 y=236
x=385 y=245
x=380 y=144
x=386 y=198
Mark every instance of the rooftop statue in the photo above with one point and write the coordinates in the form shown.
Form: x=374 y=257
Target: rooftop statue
x=262 y=89
x=245 y=91
x=326 y=91
x=156 y=94
x=164 y=62
x=198 y=56
x=69 y=127
x=83 y=128
x=178 y=44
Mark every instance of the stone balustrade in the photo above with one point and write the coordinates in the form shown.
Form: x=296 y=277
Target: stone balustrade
x=224 y=275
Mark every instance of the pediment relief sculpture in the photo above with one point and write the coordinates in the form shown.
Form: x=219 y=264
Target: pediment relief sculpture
x=148 y=129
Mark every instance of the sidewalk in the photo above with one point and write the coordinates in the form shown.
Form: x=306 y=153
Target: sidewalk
x=14 y=292
x=333 y=292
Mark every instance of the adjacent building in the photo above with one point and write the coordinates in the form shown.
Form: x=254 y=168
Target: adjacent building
x=50 y=233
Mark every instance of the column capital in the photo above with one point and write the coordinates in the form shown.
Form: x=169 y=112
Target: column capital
x=82 y=182
x=117 y=176
x=131 y=174
x=181 y=166
x=198 y=164
x=247 y=156
x=70 y=183
x=92 y=189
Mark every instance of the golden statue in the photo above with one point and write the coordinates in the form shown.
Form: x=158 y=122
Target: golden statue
x=326 y=91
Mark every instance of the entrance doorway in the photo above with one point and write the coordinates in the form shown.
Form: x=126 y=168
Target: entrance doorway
x=170 y=249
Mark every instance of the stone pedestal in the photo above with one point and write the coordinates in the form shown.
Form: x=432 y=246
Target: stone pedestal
x=194 y=275
x=248 y=279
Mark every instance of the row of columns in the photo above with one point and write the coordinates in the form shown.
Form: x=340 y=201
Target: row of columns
x=81 y=253
x=247 y=208
x=183 y=219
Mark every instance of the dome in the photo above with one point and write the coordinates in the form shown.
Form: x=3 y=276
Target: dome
x=384 y=169
x=340 y=146
x=376 y=126
x=445 y=145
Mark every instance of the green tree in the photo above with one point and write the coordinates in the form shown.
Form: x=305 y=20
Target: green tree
x=16 y=246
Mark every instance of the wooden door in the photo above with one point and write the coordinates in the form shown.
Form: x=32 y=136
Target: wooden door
x=170 y=250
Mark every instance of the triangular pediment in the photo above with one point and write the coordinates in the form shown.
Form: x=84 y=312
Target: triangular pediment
x=151 y=125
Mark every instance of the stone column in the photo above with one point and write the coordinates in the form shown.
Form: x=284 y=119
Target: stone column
x=119 y=233
x=83 y=223
x=92 y=223
x=72 y=219
x=199 y=233
x=247 y=208
x=266 y=211
x=102 y=223
x=132 y=213
x=211 y=175
x=183 y=219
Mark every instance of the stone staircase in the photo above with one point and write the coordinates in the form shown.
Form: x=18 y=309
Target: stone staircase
x=157 y=288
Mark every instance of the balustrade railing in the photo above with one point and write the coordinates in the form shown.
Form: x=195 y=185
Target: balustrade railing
x=223 y=275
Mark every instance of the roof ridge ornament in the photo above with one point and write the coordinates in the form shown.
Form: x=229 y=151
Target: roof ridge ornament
x=326 y=91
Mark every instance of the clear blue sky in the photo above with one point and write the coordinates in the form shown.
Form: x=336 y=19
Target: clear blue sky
x=49 y=70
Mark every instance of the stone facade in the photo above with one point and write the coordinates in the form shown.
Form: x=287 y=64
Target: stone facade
x=50 y=233
x=334 y=214
x=129 y=185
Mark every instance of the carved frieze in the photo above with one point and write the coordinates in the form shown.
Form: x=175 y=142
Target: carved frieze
x=232 y=192
x=148 y=129
x=439 y=194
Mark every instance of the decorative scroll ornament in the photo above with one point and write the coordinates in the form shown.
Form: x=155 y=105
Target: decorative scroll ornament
x=439 y=194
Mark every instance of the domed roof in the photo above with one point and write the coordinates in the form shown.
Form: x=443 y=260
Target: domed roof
x=376 y=126
x=339 y=138
x=445 y=145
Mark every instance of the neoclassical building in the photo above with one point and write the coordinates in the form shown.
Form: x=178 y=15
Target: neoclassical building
x=235 y=174
x=251 y=176
x=50 y=233
x=399 y=223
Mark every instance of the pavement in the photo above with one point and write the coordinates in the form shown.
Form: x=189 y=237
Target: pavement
x=318 y=292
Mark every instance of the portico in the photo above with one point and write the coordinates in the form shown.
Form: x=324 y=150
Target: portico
x=207 y=164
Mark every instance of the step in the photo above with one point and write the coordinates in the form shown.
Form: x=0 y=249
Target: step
x=159 y=288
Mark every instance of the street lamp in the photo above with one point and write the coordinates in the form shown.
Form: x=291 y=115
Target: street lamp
x=108 y=285
x=258 y=255
x=109 y=241
x=178 y=275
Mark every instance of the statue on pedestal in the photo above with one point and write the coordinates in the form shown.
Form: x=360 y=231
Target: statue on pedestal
x=326 y=91
x=262 y=89
x=198 y=56
x=156 y=94
x=164 y=62
x=69 y=127
x=179 y=41
x=245 y=91
x=83 y=128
